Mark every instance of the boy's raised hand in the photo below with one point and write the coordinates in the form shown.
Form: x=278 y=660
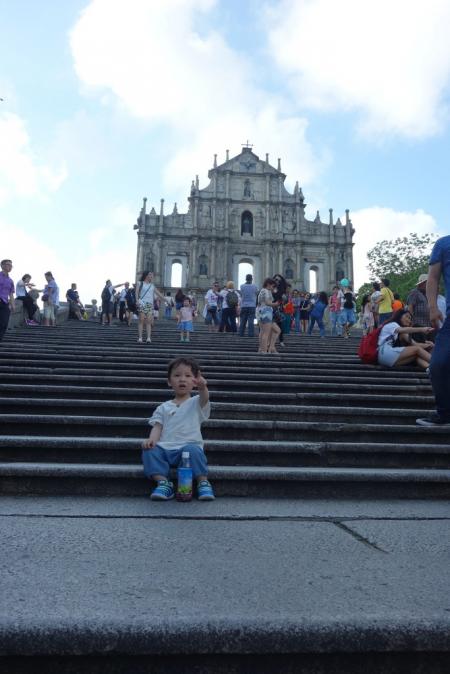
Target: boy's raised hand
x=200 y=382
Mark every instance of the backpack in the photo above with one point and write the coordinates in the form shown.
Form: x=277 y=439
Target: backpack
x=232 y=299
x=106 y=295
x=368 y=347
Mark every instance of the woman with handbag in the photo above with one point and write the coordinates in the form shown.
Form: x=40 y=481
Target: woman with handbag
x=145 y=298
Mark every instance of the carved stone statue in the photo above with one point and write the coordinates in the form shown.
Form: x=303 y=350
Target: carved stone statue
x=247 y=189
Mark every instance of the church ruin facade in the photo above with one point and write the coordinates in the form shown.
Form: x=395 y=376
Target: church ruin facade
x=244 y=215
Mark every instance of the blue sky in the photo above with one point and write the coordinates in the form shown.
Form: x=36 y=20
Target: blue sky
x=111 y=100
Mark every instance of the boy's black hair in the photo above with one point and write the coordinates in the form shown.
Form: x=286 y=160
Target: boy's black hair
x=189 y=362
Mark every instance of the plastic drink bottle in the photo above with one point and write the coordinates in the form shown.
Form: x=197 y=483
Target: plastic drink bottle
x=184 y=487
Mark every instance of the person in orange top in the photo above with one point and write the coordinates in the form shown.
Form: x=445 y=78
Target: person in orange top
x=397 y=303
x=288 y=311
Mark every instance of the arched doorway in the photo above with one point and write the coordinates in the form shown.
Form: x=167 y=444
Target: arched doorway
x=176 y=275
x=313 y=279
x=244 y=268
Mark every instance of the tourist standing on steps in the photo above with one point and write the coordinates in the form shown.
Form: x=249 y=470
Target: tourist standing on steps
x=279 y=292
x=50 y=299
x=27 y=300
x=211 y=305
x=169 y=304
x=375 y=299
x=145 y=298
x=304 y=306
x=268 y=329
x=123 y=302
x=385 y=301
x=179 y=298
x=6 y=295
x=348 y=314
x=317 y=313
x=334 y=308
x=249 y=294
x=230 y=303
x=440 y=359
x=108 y=302
x=131 y=308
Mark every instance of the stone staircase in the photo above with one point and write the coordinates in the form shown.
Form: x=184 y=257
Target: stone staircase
x=311 y=422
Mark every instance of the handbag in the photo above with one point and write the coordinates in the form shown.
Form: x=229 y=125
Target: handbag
x=44 y=297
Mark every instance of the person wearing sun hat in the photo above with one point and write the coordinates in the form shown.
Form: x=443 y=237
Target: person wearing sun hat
x=417 y=304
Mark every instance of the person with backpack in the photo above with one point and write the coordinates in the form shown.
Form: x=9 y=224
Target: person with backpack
x=145 y=300
x=347 y=316
x=230 y=304
x=396 y=346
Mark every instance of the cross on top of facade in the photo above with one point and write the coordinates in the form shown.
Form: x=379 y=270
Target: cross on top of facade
x=247 y=144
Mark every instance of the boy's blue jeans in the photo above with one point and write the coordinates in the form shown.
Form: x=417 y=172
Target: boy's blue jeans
x=440 y=370
x=159 y=461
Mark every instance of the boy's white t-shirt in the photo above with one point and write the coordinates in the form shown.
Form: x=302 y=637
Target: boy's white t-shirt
x=180 y=424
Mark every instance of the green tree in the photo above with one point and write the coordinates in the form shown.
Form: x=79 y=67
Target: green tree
x=401 y=261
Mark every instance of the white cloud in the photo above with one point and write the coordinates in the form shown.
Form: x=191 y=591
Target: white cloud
x=110 y=253
x=22 y=172
x=378 y=223
x=388 y=60
x=152 y=58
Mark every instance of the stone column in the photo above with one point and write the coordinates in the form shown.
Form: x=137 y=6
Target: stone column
x=212 y=260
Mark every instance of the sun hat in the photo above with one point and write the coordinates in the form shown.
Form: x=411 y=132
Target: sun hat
x=422 y=279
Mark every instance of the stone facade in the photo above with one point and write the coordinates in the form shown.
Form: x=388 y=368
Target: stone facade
x=245 y=214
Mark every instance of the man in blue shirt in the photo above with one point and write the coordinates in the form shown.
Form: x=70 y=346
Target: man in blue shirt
x=249 y=294
x=440 y=359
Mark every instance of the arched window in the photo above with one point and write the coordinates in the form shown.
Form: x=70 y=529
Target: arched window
x=203 y=265
x=244 y=269
x=339 y=273
x=176 y=274
x=313 y=279
x=247 y=223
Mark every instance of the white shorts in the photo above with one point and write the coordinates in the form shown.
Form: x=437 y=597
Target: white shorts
x=388 y=355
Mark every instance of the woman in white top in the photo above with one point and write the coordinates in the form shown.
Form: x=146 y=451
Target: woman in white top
x=395 y=346
x=145 y=297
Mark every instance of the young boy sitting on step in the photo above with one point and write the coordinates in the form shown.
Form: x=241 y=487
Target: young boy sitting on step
x=176 y=428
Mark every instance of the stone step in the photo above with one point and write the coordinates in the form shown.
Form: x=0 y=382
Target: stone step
x=311 y=482
x=287 y=371
x=242 y=409
x=289 y=383
x=107 y=450
x=223 y=429
x=144 y=399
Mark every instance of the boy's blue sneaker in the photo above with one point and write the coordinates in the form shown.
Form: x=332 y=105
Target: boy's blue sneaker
x=163 y=491
x=205 y=491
